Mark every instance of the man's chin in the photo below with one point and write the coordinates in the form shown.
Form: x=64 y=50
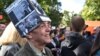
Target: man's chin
x=48 y=41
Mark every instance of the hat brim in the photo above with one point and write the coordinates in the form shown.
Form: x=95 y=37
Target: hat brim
x=45 y=18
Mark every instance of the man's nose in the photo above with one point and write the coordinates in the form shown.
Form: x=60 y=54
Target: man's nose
x=48 y=29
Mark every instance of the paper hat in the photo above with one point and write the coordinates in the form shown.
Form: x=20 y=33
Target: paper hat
x=26 y=15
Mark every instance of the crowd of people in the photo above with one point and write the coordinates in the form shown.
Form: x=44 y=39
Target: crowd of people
x=43 y=41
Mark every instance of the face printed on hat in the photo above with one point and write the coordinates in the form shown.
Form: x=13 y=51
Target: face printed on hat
x=42 y=33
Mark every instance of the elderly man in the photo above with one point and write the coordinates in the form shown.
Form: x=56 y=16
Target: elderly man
x=37 y=39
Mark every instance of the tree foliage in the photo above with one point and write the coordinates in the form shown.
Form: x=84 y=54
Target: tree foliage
x=66 y=18
x=51 y=7
x=3 y=5
x=91 y=10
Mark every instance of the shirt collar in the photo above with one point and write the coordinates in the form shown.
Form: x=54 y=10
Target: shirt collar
x=44 y=52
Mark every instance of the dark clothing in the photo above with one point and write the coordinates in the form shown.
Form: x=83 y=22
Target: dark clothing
x=83 y=49
x=56 y=42
x=55 y=47
x=67 y=52
x=0 y=47
x=9 y=50
x=78 y=44
x=27 y=51
x=96 y=53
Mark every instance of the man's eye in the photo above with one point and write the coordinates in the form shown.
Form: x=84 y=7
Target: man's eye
x=41 y=26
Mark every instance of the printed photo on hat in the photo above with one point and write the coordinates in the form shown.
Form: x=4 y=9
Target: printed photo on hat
x=26 y=15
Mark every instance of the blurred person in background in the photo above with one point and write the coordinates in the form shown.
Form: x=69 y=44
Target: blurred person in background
x=95 y=50
x=79 y=45
x=54 y=45
x=10 y=41
x=96 y=29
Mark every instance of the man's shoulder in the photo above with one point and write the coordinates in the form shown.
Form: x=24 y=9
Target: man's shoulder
x=48 y=51
x=25 y=51
x=21 y=52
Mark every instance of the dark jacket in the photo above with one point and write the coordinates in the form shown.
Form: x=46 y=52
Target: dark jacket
x=65 y=51
x=54 y=48
x=27 y=51
x=10 y=49
x=78 y=44
x=83 y=49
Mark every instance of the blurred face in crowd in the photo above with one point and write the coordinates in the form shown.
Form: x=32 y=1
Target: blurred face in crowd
x=42 y=33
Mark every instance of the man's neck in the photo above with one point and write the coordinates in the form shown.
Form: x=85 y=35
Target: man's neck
x=37 y=45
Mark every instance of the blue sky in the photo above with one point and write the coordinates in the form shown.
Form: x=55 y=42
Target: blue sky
x=72 y=5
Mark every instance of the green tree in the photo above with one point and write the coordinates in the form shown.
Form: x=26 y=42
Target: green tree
x=66 y=18
x=91 y=10
x=52 y=9
x=3 y=5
